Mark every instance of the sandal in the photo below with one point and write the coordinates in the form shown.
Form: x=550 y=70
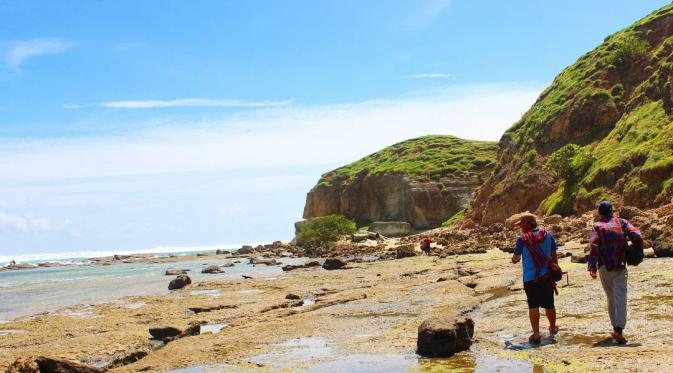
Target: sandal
x=553 y=331
x=619 y=339
x=534 y=341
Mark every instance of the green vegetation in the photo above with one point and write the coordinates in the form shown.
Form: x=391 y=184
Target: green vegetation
x=456 y=218
x=423 y=158
x=318 y=231
x=570 y=162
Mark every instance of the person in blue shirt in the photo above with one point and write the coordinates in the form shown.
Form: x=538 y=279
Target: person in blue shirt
x=538 y=250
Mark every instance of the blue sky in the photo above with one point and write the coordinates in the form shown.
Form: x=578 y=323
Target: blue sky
x=131 y=125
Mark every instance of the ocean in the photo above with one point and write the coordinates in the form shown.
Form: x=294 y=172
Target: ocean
x=28 y=292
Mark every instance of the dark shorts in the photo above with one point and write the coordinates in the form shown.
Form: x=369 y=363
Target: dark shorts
x=539 y=294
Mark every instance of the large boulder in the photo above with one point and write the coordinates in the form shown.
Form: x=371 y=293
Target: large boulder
x=246 y=249
x=333 y=263
x=49 y=365
x=179 y=282
x=212 y=269
x=406 y=251
x=391 y=228
x=443 y=337
x=663 y=248
x=268 y=262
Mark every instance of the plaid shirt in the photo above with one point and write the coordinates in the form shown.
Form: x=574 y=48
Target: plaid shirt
x=608 y=243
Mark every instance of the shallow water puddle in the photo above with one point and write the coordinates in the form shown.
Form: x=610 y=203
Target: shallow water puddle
x=308 y=302
x=212 y=328
x=210 y=292
x=10 y=332
x=376 y=363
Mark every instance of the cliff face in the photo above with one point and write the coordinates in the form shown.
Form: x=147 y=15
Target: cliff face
x=423 y=181
x=615 y=106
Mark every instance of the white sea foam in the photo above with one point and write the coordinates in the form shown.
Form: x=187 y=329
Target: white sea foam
x=79 y=256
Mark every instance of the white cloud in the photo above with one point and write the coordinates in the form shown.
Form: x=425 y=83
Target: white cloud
x=22 y=223
x=72 y=106
x=273 y=137
x=22 y=50
x=430 y=76
x=191 y=102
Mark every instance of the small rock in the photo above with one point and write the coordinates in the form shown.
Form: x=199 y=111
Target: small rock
x=359 y=237
x=333 y=263
x=649 y=253
x=212 y=269
x=313 y=263
x=247 y=277
x=292 y=296
x=442 y=337
x=164 y=332
x=442 y=279
x=579 y=258
x=291 y=267
x=246 y=249
x=179 y=282
x=175 y=272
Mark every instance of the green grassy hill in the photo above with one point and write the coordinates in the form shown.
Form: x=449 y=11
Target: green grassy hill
x=425 y=158
x=614 y=104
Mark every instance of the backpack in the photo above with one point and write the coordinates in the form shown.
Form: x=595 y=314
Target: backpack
x=634 y=253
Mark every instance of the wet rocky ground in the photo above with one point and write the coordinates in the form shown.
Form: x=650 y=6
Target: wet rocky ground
x=363 y=317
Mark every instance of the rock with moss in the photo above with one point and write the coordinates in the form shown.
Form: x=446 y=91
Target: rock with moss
x=423 y=181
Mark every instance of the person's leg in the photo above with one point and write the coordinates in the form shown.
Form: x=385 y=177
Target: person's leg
x=608 y=287
x=620 y=289
x=534 y=316
x=551 y=316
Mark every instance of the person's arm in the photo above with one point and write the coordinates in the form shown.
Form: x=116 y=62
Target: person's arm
x=595 y=244
x=517 y=251
x=554 y=249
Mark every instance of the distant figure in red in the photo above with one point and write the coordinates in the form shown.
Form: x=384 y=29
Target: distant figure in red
x=425 y=245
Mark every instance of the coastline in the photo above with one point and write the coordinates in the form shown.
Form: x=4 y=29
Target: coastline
x=364 y=316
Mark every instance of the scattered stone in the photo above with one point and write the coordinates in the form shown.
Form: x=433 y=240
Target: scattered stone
x=359 y=237
x=405 y=251
x=333 y=263
x=213 y=308
x=442 y=279
x=246 y=249
x=164 y=332
x=121 y=359
x=649 y=253
x=247 y=277
x=175 y=272
x=313 y=263
x=226 y=265
x=49 y=365
x=442 y=337
x=23 y=365
x=268 y=262
x=179 y=282
x=291 y=267
x=579 y=258
x=553 y=219
x=212 y=269
x=391 y=228
x=292 y=296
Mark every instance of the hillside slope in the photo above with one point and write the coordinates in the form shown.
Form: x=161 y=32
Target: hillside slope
x=423 y=181
x=615 y=105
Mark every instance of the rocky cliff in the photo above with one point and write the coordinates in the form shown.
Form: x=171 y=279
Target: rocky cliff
x=602 y=129
x=423 y=181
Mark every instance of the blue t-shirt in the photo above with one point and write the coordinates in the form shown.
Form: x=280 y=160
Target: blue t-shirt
x=548 y=245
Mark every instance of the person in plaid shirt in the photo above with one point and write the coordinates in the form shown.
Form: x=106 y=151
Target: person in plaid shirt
x=608 y=258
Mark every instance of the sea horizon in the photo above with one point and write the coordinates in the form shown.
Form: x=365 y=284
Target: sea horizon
x=78 y=256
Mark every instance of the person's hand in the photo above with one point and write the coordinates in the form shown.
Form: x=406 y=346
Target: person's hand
x=516 y=258
x=593 y=274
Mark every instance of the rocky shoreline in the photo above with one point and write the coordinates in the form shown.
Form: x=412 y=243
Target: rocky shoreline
x=365 y=298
